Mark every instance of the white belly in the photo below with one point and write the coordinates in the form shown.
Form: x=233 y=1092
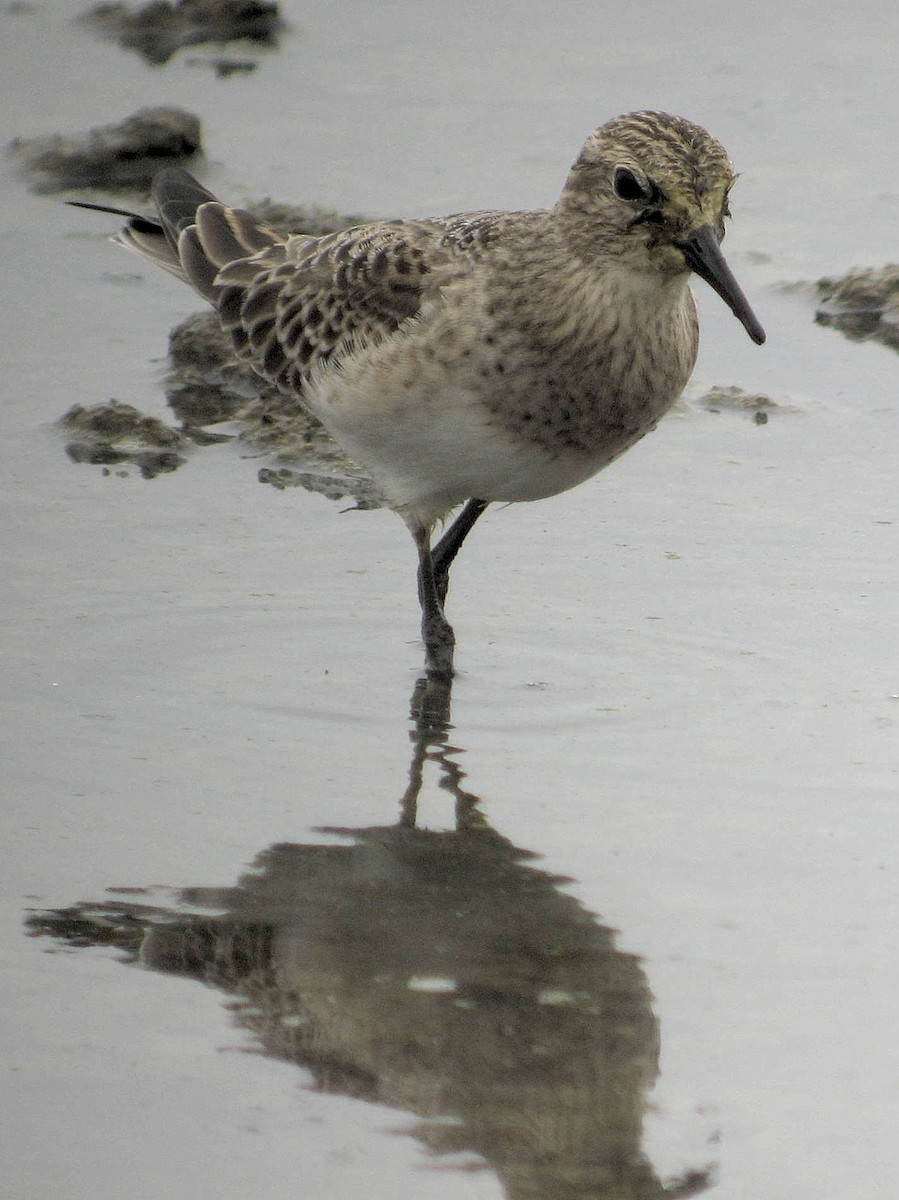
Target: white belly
x=429 y=455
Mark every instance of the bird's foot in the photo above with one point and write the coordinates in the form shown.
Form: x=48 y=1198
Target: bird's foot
x=440 y=643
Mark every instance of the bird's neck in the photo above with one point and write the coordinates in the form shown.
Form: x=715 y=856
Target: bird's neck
x=610 y=298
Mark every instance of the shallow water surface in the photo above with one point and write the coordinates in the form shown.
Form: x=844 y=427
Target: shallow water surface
x=617 y=918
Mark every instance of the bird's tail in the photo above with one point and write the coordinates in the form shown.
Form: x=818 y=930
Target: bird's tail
x=193 y=235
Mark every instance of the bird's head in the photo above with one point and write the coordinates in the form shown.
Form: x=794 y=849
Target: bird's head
x=651 y=191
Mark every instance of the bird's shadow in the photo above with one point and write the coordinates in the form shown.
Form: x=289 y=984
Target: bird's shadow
x=441 y=973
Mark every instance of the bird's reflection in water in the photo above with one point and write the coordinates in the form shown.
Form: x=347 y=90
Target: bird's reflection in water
x=436 y=972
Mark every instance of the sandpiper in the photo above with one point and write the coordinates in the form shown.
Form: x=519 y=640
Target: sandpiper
x=485 y=356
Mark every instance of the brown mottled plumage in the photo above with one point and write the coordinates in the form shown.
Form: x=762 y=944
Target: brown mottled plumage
x=485 y=356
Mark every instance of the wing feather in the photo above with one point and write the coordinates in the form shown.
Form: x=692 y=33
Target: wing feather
x=304 y=301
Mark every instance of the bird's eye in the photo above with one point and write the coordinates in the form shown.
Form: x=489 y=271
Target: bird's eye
x=629 y=187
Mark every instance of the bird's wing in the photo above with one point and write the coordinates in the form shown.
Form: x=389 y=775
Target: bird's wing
x=302 y=301
x=292 y=303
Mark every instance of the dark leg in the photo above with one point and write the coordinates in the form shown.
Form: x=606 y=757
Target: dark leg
x=449 y=545
x=437 y=633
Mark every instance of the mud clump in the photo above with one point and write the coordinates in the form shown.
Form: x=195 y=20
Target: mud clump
x=863 y=304
x=115 y=434
x=730 y=398
x=122 y=157
x=159 y=29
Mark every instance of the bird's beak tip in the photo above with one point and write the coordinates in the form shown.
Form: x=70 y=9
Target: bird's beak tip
x=756 y=332
x=703 y=255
